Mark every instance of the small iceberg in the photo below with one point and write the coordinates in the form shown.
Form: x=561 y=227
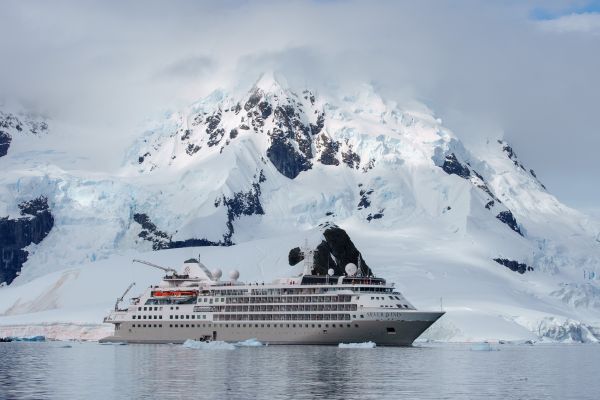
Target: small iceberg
x=27 y=339
x=485 y=346
x=249 y=343
x=365 y=345
x=216 y=345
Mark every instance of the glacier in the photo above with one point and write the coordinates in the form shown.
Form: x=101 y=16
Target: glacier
x=245 y=176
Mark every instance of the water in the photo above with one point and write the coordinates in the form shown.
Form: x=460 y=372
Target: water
x=92 y=371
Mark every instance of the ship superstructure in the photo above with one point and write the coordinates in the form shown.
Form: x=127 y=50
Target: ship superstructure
x=306 y=309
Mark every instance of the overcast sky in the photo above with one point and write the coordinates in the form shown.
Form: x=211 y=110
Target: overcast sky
x=528 y=71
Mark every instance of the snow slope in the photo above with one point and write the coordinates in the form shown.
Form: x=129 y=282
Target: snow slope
x=253 y=174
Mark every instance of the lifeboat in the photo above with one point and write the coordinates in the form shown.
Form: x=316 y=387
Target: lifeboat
x=174 y=293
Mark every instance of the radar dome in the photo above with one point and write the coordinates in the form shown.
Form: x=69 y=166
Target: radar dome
x=234 y=275
x=217 y=273
x=351 y=269
x=330 y=272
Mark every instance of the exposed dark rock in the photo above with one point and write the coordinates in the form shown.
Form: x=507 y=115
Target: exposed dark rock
x=142 y=158
x=5 y=140
x=351 y=159
x=508 y=218
x=378 y=215
x=337 y=246
x=335 y=251
x=162 y=240
x=489 y=204
x=514 y=265
x=364 y=202
x=286 y=159
x=329 y=213
x=453 y=167
x=295 y=256
x=186 y=134
x=192 y=149
x=242 y=203
x=316 y=129
x=244 y=127
x=18 y=233
x=238 y=108
x=265 y=109
x=215 y=134
x=233 y=133
x=330 y=149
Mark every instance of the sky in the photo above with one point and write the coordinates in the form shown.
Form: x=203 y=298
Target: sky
x=527 y=71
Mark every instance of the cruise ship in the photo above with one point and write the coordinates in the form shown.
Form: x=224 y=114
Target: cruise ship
x=194 y=303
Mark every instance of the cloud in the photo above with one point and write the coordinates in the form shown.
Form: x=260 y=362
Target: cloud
x=588 y=23
x=486 y=68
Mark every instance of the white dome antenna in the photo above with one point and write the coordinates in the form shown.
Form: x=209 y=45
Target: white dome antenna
x=216 y=273
x=351 y=269
x=330 y=272
x=234 y=275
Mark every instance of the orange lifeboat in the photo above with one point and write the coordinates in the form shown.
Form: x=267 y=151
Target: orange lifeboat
x=175 y=293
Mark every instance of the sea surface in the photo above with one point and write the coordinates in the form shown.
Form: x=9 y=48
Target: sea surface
x=72 y=370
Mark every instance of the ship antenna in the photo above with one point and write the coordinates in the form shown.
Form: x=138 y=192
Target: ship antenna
x=360 y=265
x=308 y=259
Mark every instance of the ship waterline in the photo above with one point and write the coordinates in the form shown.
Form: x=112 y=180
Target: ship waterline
x=307 y=309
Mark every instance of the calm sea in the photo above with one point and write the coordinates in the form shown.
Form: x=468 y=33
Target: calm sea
x=51 y=370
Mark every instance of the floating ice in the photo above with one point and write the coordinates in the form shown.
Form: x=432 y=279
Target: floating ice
x=365 y=345
x=485 y=346
x=249 y=343
x=28 y=339
x=216 y=345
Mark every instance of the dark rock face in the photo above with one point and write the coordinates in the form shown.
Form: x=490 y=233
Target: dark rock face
x=16 y=234
x=351 y=159
x=286 y=159
x=378 y=215
x=5 y=140
x=295 y=256
x=242 y=203
x=336 y=246
x=508 y=218
x=514 y=265
x=365 y=202
x=162 y=240
x=215 y=134
x=453 y=167
x=330 y=149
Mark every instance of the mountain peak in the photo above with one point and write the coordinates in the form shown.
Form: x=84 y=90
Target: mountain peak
x=269 y=81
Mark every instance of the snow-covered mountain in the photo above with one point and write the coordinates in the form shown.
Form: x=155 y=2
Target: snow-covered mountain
x=245 y=177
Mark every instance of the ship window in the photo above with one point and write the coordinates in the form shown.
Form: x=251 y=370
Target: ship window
x=170 y=325
x=160 y=325
x=139 y=308
x=187 y=325
x=177 y=317
x=333 y=326
x=155 y=308
x=133 y=317
x=313 y=325
x=187 y=317
x=181 y=317
x=319 y=325
x=177 y=308
x=156 y=317
x=144 y=325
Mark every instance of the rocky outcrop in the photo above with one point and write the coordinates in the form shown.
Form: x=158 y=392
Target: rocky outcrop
x=16 y=234
x=508 y=218
x=161 y=240
x=453 y=167
x=514 y=265
x=335 y=251
x=5 y=140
